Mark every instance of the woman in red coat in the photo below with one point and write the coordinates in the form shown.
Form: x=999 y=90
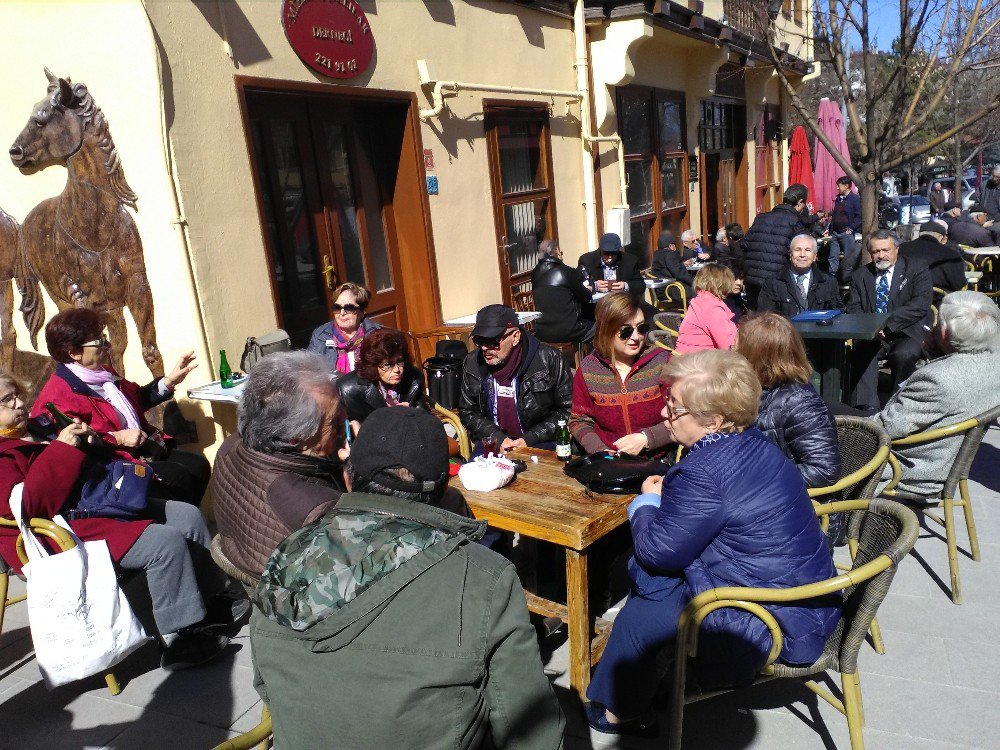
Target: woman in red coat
x=171 y=545
x=85 y=386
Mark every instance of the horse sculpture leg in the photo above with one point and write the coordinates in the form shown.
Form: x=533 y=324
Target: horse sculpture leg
x=140 y=303
x=8 y=338
x=118 y=335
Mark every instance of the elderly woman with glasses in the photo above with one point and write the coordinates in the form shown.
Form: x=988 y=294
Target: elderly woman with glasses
x=733 y=512
x=85 y=386
x=618 y=390
x=339 y=341
x=384 y=376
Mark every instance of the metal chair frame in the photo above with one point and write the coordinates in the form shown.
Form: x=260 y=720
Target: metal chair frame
x=958 y=479
x=842 y=647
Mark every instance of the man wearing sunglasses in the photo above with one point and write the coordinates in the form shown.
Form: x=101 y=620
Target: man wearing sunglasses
x=514 y=388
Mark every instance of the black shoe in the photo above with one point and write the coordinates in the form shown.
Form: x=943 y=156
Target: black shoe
x=192 y=648
x=633 y=727
x=227 y=608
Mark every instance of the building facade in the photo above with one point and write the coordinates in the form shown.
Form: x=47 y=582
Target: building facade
x=423 y=148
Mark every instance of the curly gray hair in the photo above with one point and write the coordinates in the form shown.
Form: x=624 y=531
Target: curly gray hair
x=278 y=410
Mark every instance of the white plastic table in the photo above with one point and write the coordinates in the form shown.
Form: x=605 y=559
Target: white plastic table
x=216 y=393
x=470 y=320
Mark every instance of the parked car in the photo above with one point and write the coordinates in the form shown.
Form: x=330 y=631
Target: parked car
x=915 y=209
x=948 y=183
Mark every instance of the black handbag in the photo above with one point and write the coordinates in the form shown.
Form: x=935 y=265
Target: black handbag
x=614 y=473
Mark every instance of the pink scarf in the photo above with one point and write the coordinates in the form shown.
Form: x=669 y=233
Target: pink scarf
x=104 y=381
x=345 y=346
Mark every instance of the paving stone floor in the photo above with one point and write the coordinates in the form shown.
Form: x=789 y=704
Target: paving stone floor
x=937 y=687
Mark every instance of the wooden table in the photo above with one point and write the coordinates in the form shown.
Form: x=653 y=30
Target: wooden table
x=827 y=353
x=544 y=503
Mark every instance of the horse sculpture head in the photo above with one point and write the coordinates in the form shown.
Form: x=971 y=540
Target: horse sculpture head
x=60 y=125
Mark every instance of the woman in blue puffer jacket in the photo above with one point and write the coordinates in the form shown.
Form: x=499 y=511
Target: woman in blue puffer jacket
x=791 y=413
x=733 y=512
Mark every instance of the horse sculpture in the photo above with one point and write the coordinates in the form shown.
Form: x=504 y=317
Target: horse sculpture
x=9 y=270
x=82 y=245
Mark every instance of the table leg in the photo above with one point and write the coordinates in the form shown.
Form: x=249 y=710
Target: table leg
x=829 y=365
x=577 y=601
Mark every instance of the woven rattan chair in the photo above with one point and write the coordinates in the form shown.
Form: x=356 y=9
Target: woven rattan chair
x=887 y=532
x=663 y=339
x=462 y=435
x=958 y=479
x=247 y=581
x=55 y=532
x=864 y=450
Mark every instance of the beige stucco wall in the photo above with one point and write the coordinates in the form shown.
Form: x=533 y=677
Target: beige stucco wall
x=107 y=46
x=482 y=43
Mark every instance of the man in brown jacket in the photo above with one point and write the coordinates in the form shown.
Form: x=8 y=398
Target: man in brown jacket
x=283 y=470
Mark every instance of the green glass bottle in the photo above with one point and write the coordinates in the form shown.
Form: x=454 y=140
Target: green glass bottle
x=563 y=442
x=225 y=371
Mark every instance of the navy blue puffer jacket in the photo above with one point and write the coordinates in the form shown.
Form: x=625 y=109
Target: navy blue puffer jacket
x=765 y=245
x=798 y=421
x=734 y=512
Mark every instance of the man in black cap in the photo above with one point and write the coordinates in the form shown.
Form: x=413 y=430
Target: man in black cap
x=942 y=258
x=667 y=264
x=514 y=388
x=384 y=620
x=608 y=269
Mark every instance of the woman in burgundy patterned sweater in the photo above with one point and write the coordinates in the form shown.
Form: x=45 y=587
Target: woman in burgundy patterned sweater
x=619 y=390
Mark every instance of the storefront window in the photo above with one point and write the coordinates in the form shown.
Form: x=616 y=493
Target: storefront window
x=520 y=156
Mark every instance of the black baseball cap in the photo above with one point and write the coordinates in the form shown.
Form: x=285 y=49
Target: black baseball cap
x=401 y=437
x=610 y=243
x=494 y=320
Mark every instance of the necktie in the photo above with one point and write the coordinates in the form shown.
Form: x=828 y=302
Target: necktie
x=882 y=293
x=800 y=279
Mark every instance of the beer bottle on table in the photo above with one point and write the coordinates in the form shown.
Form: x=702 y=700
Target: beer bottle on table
x=563 y=442
x=225 y=371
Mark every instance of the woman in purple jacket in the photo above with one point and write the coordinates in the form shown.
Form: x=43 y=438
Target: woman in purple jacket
x=733 y=512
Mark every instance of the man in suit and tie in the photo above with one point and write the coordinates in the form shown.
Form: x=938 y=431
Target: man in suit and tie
x=803 y=286
x=608 y=269
x=898 y=286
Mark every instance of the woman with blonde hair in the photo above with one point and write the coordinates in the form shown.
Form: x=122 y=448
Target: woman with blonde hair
x=619 y=388
x=708 y=323
x=339 y=341
x=791 y=414
x=733 y=512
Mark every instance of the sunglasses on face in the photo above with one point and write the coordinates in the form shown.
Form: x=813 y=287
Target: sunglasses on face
x=348 y=308
x=390 y=366
x=491 y=342
x=96 y=343
x=625 y=333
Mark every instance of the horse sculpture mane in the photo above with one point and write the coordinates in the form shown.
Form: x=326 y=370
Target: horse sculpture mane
x=96 y=125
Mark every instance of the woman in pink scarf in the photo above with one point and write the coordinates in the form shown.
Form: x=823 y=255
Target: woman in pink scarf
x=85 y=386
x=339 y=341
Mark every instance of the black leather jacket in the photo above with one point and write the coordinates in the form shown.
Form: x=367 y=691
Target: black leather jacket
x=797 y=420
x=544 y=394
x=559 y=296
x=361 y=397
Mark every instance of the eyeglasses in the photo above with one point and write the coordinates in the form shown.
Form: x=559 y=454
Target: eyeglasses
x=10 y=400
x=625 y=332
x=491 y=342
x=390 y=366
x=348 y=308
x=96 y=343
x=673 y=412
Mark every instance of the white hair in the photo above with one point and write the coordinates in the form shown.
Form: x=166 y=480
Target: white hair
x=972 y=321
x=688 y=234
x=721 y=235
x=808 y=237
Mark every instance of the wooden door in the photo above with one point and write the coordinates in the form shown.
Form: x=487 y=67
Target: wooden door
x=523 y=193
x=324 y=172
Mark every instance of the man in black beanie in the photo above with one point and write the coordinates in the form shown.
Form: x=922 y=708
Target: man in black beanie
x=384 y=623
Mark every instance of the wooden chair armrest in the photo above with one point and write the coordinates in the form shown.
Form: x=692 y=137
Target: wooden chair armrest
x=897 y=476
x=447 y=415
x=941 y=432
x=48 y=528
x=855 y=476
x=251 y=739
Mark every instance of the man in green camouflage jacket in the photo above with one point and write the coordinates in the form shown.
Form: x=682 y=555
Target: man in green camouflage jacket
x=386 y=625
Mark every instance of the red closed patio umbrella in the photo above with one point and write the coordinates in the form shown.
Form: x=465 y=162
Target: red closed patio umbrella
x=800 y=164
x=828 y=170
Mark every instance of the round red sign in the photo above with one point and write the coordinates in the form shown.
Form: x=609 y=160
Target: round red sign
x=331 y=36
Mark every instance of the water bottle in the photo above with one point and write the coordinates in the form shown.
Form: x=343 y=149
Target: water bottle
x=225 y=371
x=563 y=442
